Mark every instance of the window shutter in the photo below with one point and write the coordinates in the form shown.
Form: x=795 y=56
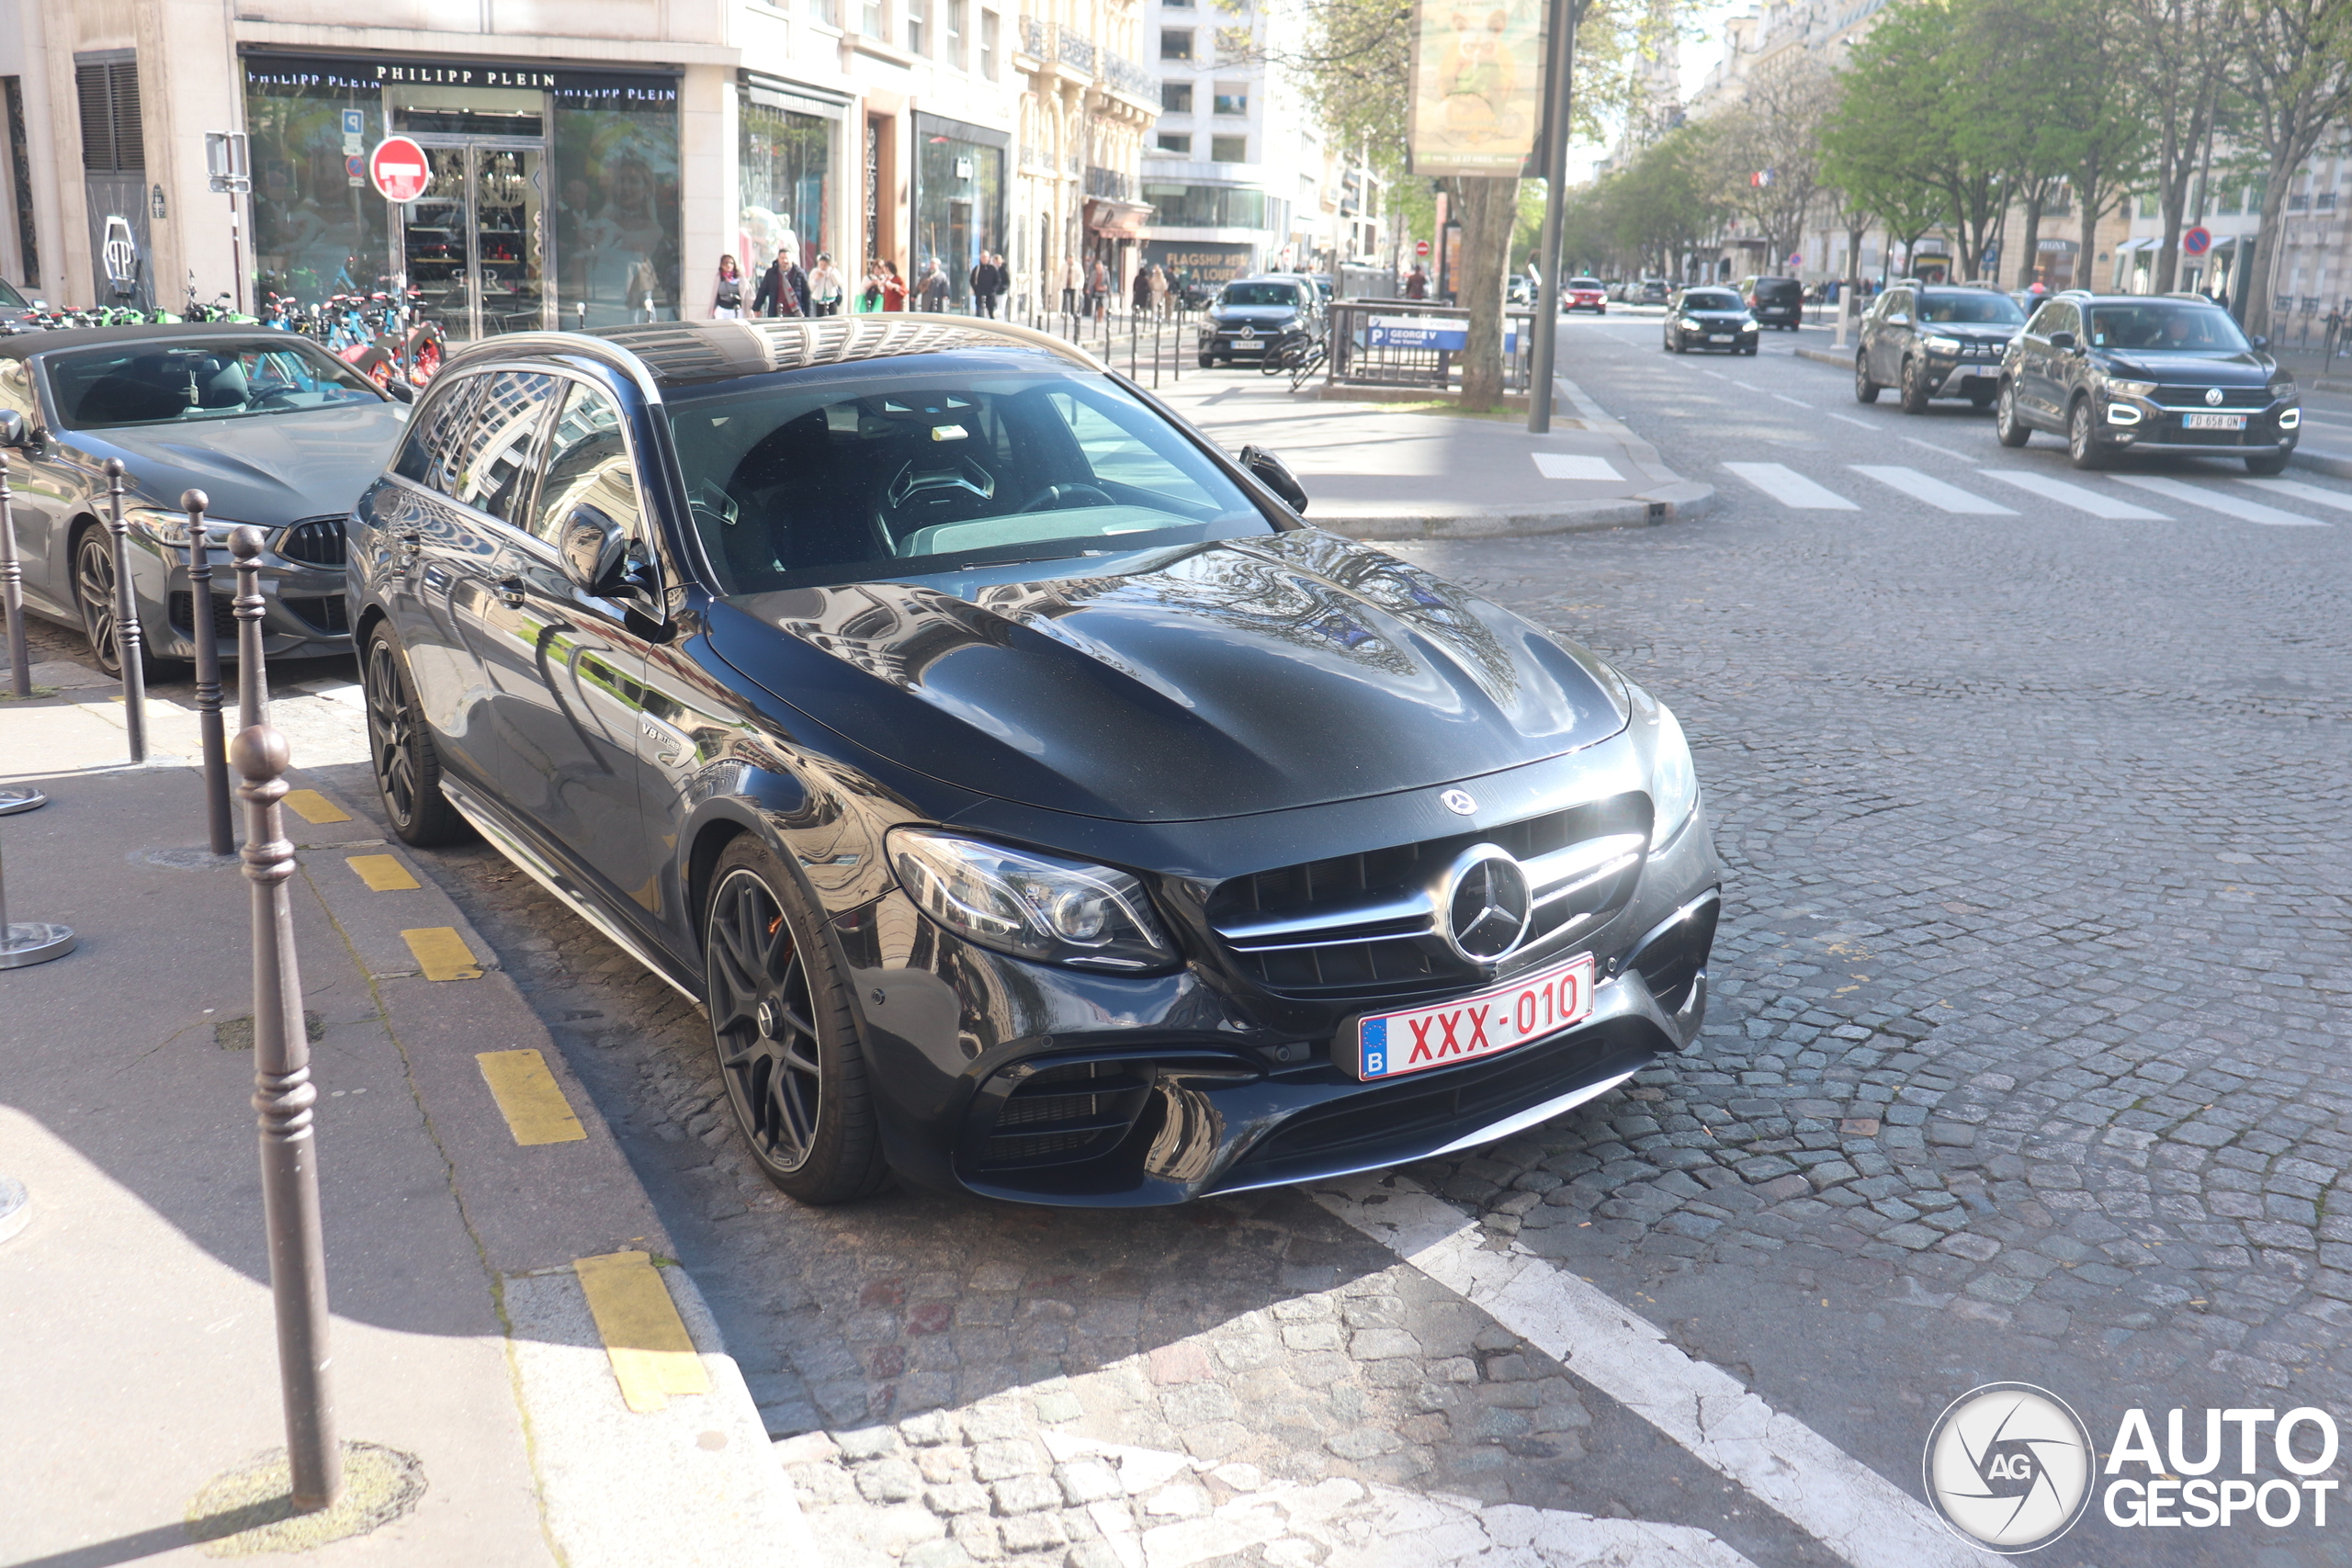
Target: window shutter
x=112 y=141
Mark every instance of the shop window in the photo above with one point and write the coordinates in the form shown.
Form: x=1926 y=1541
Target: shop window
x=1175 y=43
x=784 y=161
x=1233 y=97
x=309 y=219
x=616 y=154
x=1228 y=149
x=988 y=46
x=918 y=27
x=1176 y=142
x=1176 y=98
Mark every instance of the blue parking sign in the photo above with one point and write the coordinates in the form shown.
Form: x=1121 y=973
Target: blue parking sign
x=354 y=122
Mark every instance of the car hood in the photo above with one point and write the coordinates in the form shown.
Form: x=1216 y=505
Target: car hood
x=1970 y=331
x=1219 y=680
x=1724 y=317
x=267 y=469
x=2243 y=369
x=1255 y=314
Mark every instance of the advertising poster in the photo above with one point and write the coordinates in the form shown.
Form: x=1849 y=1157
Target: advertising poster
x=1477 y=98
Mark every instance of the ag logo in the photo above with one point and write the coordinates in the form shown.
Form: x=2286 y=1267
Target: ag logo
x=2008 y=1467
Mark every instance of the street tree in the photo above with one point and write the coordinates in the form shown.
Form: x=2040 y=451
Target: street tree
x=2096 y=125
x=2177 y=57
x=1766 y=148
x=1664 y=203
x=1875 y=153
x=2293 y=82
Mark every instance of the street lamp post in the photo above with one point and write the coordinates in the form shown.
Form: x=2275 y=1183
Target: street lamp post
x=1559 y=86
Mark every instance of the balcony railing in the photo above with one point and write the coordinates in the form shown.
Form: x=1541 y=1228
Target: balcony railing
x=1034 y=38
x=1130 y=78
x=1110 y=184
x=1075 y=50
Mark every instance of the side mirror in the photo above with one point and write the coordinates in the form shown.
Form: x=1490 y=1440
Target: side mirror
x=2062 y=340
x=2260 y=342
x=595 y=556
x=400 y=392
x=1276 y=475
x=1898 y=319
x=12 y=428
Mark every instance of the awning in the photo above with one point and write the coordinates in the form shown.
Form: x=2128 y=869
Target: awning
x=2142 y=245
x=1116 y=220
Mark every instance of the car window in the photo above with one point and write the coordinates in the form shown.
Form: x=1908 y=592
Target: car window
x=1260 y=294
x=1982 y=308
x=490 y=467
x=2166 y=324
x=1898 y=303
x=2063 y=319
x=800 y=485
x=1779 y=289
x=588 y=465
x=1710 y=299
x=155 y=383
x=10 y=298
x=16 y=389
x=427 y=456
x=1586 y=283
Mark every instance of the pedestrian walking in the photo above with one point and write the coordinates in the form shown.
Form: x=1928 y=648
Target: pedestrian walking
x=933 y=288
x=727 y=299
x=982 y=279
x=1160 y=290
x=824 y=287
x=894 y=287
x=1000 y=284
x=1098 y=290
x=1070 y=283
x=1417 y=284
x=774 y=296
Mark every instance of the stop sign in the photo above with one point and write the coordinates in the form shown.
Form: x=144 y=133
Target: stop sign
x=399 y=168
x=1421 y=247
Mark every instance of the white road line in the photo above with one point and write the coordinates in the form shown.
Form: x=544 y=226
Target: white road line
x=1849 y=1507
x=1567 y=466
x=1742 y=384
x=2302 y=491
x=1717 y=373
x=1934 y=491
x=1797 y=402
x=2076 y=496
x=1790 y=488
x=1956 y=457
x=2222 y=502
x=1850 y=419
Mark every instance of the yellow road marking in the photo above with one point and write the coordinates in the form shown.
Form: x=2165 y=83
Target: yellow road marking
x=313 y=806
x=442 y=954
x=531 y=1099
x=382 y=874
x=653 y=1357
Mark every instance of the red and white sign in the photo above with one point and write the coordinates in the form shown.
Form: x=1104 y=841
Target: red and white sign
x=2197 y=241
x=1420 y=247
x=399 y=169
x=1393 y=1043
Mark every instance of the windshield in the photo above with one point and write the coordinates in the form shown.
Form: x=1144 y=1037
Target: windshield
x=1710 y=299
x=1260 y=294
x=1584 y=283
x=1983 y=308
x=2166 y=324
x=9 y=297
x=148 y=383
x=803 y=486
x=1778 y=288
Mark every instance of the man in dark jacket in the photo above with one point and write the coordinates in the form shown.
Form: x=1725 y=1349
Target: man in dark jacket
x=982 y=279
x=783 y=289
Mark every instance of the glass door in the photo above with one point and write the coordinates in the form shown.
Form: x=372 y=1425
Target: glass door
x=475 y=243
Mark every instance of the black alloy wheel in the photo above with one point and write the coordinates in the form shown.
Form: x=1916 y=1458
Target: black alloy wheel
x=1865 y=389
x=2008 y=428
x=94 y=589
x=2081 y=448
x=399 y=745
x=1914 y=387
x=2269 y=462
x=785 y=1037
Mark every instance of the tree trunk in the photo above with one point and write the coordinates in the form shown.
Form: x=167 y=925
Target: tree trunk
x=2032 y=247
x=2268 y=242
x=2090 y=201
x=1489 y=208
x=2169 y=250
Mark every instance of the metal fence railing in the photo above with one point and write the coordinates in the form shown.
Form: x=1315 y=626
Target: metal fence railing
x=1409 y=342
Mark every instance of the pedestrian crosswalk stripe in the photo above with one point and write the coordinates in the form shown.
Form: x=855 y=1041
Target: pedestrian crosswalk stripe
x=2113 y=508
x=1790 y=488
x=2317 y=494
x=2220 y=501
x=1568 y=465
x=1934 y=491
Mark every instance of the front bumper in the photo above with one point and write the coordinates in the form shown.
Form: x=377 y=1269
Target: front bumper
x=1232 y=343
x=1976 y=378
x=2144 y=424
x=304 y=616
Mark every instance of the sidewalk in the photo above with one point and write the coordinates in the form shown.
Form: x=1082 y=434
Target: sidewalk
x=1389 y=471
x=135 y=1304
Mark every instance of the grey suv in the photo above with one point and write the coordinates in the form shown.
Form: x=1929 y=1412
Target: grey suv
x=1935 y=340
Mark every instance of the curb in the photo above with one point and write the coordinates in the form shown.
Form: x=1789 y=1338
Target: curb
x=1681 y=502
x=1825 y=356
x=2320 y=463
x=2331 y=384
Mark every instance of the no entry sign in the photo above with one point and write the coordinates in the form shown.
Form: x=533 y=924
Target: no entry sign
x=398 y=169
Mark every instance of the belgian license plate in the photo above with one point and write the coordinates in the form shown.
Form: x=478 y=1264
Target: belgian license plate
x=1391 y=1044
x=1719 y=337
x=2212 y=422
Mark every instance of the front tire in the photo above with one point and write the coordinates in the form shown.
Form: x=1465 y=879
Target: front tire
x=2269 y=462
x=399 y=745
x=94 y=595
x=1915 y=387
x=2008 y=428
x=1865 y=389
x=2081 y=448
x=1208 y=361
x=784 y=1034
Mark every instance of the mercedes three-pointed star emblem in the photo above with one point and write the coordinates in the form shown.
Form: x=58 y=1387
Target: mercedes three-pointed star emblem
x=1487 y=903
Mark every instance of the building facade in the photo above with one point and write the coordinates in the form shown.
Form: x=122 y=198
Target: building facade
x=587 y=164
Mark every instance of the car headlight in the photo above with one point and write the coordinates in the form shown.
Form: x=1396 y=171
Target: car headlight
x=2284 y=389
x=1674 y=781
x=1691 y=324
x=1748 y=326
x=169 y=529
x=1940 y=345
x=1029 y=905
x=2132 y=388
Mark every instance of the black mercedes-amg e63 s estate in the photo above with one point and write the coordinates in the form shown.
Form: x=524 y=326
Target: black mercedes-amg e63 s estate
x=1037 y=804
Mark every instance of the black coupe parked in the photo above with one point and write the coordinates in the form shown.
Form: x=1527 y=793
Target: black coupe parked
x=1037 y=804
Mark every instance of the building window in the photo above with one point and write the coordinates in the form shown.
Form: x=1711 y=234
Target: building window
x=112 y=141
x=951 y=45
x=1176 y=98
x=1228 y=149
x=871 y=22
x=2324 y=202
x=1233 y=97
x=2232 y=201
x=988 y=45
x=1211 y=206
x=1234 y=46
x=784 y=161
x=1178 y=142
x=1175 y=44
x=826 y=11
x=918 y=32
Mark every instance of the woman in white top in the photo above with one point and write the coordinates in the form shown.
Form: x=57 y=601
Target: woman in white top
x=824 y=287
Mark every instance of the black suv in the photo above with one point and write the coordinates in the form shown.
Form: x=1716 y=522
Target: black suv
x=1709 y=316
x=1774 y=301
x=2136 y=373
x=1935 y=340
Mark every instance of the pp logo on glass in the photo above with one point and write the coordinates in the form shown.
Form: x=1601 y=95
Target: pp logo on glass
x=2008 y=1467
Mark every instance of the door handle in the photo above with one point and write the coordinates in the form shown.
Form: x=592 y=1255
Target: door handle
x=412 y=545
x=511 y=593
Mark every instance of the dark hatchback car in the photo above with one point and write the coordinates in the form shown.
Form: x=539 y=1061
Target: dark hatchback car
x=1774 y=301
x=1036 y=803
x=1253 y=316
x=2137 y=373
x=1935 y=340
x=276 y=431
x=1709 y=316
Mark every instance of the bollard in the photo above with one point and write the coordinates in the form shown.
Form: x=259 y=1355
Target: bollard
x=284 y=1097
x=207 y=675
x=27 y=942
x=130 y=642
x=252 y=673
x=12 y=590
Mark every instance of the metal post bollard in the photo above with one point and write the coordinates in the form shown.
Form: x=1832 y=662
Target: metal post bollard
x=207 y=675
x=284 y=1095
x=130 y=642
x=12 y=590
x=253 y=672
x=27 y=942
